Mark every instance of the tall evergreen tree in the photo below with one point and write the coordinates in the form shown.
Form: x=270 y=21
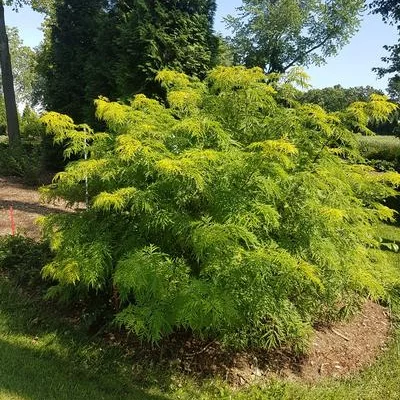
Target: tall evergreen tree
x=157 y=34
x=115 y=48
x=63 y=63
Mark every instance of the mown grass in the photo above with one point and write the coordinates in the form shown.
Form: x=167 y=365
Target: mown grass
x=43 y=356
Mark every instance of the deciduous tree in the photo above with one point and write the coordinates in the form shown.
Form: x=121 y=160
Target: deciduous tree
x=23 y=60
x=6 y=68
x=278 y=34
x=390 y=11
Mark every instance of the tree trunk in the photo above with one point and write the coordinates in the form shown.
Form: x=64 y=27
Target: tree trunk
x=8 y=84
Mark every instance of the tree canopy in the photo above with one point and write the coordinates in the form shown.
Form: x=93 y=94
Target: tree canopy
x=37 y=5
x=163 y=34
x=23 y=63
x=338 y=98
x=389 y=9
x=70 y=41
x=6 y=68
x=278 y=34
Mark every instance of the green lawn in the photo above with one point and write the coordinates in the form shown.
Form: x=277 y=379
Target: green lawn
x=43 y=358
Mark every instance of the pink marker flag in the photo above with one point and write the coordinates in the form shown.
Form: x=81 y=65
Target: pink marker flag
x=12 y=220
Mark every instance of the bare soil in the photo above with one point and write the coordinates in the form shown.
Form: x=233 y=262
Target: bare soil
x=335 y=351
x=348 y=346
x=26 y=205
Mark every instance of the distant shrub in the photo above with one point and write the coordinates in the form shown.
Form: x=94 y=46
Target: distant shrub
x=24 y=162
x=384 y=148
x=23 y=258
x=235 y=212
x=383 y=153
x=32 y=129
x=36 y=154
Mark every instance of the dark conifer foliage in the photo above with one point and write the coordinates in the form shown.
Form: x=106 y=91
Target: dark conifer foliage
x=157 y=34
x=70 y=45
x=115 y=48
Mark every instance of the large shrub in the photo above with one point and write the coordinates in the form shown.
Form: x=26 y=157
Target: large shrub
x=234 y=212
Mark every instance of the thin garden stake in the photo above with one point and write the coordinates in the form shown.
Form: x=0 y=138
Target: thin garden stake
x=86 y=180
x=12 y=221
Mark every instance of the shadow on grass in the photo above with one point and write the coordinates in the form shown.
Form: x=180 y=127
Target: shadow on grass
x=69 y=365
x=29 y=374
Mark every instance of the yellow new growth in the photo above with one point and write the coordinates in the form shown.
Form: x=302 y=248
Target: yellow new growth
x=392 y=178
x=141 y=102
x=377 y=109
x=173 y=79
x=238 y=77
x=67 y=273
x=116 y=200
x=56 y=123
x=334 y=214
x=169 y=166
x=127 y=146
x=385 y=213
x=271 y=147
x=184 y=99
x=310 y=272
x=113 y=113
x=184 y=167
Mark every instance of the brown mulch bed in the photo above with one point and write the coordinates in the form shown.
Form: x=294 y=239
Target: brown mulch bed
x=335 y=351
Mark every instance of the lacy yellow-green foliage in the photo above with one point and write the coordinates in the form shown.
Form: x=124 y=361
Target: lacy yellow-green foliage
x=377 y=110
x=234 y=211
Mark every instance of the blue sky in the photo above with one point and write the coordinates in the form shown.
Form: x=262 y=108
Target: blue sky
x=352 y=67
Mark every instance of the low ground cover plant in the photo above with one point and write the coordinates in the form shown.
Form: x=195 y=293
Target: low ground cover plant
x=23 y=258
x=232 y=211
